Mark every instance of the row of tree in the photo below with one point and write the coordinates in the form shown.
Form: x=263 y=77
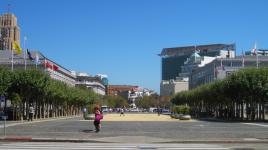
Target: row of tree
x=50 y=98
x=153 y=100
x=241 y=96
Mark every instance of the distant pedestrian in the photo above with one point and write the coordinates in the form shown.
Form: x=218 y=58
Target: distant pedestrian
x=31 y=113
x=122 y=112
x=84 y=112
x=158 y=111
x=98 y=118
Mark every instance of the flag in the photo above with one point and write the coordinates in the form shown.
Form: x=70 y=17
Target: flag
x=17 y=48
x=29 y=55
x=36 y=58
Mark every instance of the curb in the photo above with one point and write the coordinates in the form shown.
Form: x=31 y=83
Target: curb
x=218 y=142
x=30 y=139
x=16 y=139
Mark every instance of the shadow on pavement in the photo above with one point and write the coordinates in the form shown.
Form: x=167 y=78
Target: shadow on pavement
x=87 y=131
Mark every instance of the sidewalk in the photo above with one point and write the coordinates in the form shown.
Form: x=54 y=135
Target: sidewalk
x=14 y=123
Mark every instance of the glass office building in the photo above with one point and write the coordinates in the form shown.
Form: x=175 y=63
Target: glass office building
x=172 y=59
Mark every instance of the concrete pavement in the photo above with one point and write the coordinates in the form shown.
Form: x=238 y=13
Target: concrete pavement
x=141 y=131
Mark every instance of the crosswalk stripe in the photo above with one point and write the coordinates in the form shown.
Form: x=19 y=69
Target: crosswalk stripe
x=105 y=146
x=255 y=124
x=198 y=148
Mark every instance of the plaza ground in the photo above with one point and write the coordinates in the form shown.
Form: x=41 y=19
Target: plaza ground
x=148 y=127
x=143 y=128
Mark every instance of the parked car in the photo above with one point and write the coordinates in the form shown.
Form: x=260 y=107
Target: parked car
x=165 y=110
x=134 y=110
x=104 y=108
x=152 y=109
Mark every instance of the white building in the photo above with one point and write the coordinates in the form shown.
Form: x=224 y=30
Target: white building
x=93 y=83
x=169 y=88
x=54 y=70
x=138 y=93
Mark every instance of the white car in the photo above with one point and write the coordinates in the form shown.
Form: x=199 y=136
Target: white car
x=134 y=110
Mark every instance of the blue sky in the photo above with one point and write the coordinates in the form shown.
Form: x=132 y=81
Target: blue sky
x=121 y=38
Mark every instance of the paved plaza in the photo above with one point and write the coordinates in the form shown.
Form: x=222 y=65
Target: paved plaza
x=145 y=128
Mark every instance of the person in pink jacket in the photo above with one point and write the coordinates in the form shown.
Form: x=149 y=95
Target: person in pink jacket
x=98 y=118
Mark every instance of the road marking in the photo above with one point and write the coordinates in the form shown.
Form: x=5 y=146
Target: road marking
x=199 y=148
x=255 y=124
x=106 y=146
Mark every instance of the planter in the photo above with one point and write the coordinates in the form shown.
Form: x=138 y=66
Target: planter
x=89 y=117
x=185 y=117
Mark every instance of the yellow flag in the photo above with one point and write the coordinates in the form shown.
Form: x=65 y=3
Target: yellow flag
x=17 y=48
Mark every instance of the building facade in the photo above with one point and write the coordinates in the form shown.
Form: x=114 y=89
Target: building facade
x=9 y=31
x=178 y=64
x=173 y=58
x=93 y=83
x=54 y=70
x=169 y=88
x=114 y=90
x=220 y=68
x=129 y=92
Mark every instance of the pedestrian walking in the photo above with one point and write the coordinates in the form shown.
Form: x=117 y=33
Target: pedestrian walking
x=98 y=118
x=158 y=111
x=31 y=113
x=84 y=112
x=122 y=112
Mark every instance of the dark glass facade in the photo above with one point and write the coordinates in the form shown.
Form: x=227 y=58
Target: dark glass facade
x=171 y=66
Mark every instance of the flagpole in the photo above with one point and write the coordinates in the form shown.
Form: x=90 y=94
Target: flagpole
x=243 y=59
x=45 y=64
x=24 y=46
x=12 y=53
x=221 y=62
x=36 y=65
x=257 y=57
x=36 y=60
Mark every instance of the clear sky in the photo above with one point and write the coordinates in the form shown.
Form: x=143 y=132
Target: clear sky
x=121 y=38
